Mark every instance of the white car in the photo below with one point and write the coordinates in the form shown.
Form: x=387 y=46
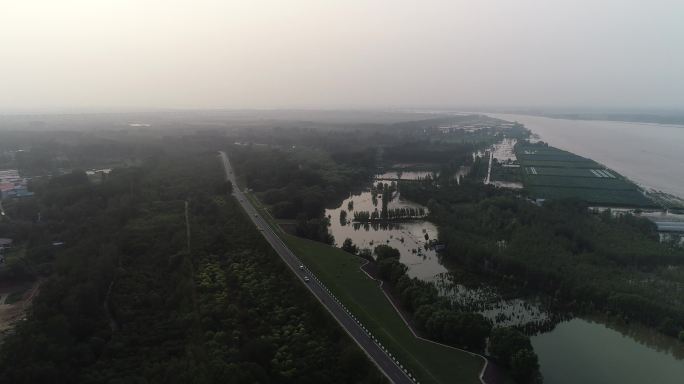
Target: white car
x=306 y=279
x=301 y=267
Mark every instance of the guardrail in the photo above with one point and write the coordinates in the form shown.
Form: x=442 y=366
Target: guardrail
x=357 y=321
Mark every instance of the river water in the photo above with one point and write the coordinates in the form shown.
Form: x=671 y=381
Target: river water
x=652 y=155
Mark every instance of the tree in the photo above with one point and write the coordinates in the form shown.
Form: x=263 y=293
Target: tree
x=353 y=362
x=513 y=349
x=343 y=217
x=505 y=342
x=348 y=246
x=386 y=252
x=366 y=254
x=525 y=366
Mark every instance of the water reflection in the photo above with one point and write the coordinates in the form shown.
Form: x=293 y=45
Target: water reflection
x=643 y=335
x=503 y=310
x=570 y=350
x=405 y=175
x=585 y=351
x=411 y=238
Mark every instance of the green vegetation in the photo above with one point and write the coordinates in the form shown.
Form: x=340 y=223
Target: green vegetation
x=474 y=130
x=551 y=173
x=428 y=152
x=126 y=300
x=583 y=261
x=514 y=350
x=297 y=183
x=390 y=214
x=671 y=202
x=505 y=172
x=341 y=272
x=541 y=181
x=449 y=324
x=17 y=294
x=434 y=315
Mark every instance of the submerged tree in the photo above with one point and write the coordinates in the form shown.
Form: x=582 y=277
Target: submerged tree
x=348 y=246
x=343 y=217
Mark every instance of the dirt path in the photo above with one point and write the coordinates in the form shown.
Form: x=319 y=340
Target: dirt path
x=491 y=373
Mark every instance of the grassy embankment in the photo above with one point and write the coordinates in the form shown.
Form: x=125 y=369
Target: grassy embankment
x=340 y=271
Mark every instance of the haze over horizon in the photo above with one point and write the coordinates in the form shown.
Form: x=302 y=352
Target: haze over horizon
x=79 y=54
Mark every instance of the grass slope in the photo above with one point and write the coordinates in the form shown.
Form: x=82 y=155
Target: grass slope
x=339 y=270
x=341 y=273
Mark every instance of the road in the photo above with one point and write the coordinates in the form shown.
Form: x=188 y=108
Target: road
x=372 y=349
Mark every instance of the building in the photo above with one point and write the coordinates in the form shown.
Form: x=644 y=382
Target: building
x=12 y=185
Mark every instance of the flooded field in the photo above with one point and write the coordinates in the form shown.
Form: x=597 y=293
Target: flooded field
x=577 y=350
x=503 y=151
x=404 y=175
x=410 y=237
x=493 y=304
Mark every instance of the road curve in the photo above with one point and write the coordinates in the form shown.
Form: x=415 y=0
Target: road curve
x=372 y=349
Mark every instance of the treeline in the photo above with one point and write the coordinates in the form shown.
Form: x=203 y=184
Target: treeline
x=299 y=183
x=443 y=322
x=429 y=152
x=115 y=302
x=391 y=214
x=125 y=300
x=583 y=261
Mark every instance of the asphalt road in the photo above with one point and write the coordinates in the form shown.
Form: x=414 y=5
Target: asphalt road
x=381 y=359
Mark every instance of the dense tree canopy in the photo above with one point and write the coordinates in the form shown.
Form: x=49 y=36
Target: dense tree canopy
x=598 y=261
x=125 y=300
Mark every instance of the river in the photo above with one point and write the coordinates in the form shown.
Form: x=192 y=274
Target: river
x=652 y=155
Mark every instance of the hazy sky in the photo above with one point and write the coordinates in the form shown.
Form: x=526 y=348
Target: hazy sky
x=340 y=54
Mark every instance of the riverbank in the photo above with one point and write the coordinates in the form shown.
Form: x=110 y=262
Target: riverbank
x=648 y=154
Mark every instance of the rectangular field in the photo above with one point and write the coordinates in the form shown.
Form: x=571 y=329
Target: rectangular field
x=569 y=172
x=531 y=162
x=551 y=173
x=609 y=197
x=578 y=182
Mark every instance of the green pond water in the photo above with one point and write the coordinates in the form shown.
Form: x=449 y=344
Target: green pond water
x=589 y=352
